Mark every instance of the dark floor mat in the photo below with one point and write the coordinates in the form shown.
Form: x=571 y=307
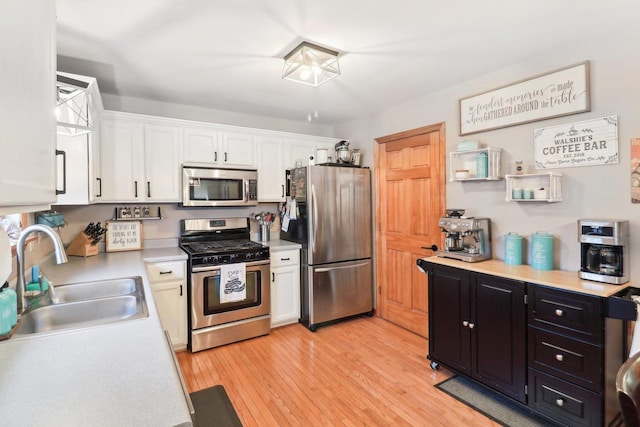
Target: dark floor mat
x=213 y=408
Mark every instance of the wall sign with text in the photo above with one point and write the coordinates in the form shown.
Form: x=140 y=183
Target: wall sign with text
x=558 y=93
x=588 y=143
x=124 y=236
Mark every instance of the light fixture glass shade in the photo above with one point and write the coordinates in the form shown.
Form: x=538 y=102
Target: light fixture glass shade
x=310 y=64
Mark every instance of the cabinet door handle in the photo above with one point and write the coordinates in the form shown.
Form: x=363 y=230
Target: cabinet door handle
x=472 y=325
x=148 y=189
x=559 y=357
x=99 y=187
x=285 y=259
x=180 y=290
x=282 y=190
x=225 y=156
x=560 y=402
x=64 y=172
x=273 y=277
x=166 y=272
x=559 y=312
x=135 y=186
x=465 y=323
x=215 y=156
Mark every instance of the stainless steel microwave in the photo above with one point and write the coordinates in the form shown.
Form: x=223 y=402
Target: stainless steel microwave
x=207 y=185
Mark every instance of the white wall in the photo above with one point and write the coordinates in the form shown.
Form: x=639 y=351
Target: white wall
x=187 y=112
x=589 y=192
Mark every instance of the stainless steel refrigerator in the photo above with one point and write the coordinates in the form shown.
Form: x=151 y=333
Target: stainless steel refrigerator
x=333 y=207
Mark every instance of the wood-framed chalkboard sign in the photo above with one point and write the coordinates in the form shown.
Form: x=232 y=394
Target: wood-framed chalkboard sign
x=124 y=236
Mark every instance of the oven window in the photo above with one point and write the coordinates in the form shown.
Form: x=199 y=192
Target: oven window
x=216 y=189
x=212 y=304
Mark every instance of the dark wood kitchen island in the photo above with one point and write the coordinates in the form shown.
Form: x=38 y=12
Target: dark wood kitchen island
x=542 y=338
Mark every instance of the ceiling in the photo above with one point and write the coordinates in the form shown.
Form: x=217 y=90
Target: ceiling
x=227 y=54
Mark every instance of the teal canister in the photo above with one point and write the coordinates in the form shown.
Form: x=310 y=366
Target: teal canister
x=13 y=298
x=5 y=313
x=513 y=249
x=482 y=165
x=542 y=250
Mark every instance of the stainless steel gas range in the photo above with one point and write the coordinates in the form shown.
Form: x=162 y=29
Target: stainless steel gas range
x=228 y=286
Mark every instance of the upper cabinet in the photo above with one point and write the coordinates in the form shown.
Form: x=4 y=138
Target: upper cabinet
x=271 y=170
x=140 y=161
x=209 y=144
x=28 y=87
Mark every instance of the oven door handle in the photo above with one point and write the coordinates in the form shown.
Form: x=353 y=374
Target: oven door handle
x=325 y=269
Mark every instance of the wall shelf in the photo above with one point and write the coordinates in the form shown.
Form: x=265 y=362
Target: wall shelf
x=466 y=160
x=117 y=217
x=544 y=187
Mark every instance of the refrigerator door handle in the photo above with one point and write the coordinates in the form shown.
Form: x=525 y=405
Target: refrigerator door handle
x=314 y=205
x=325 y=269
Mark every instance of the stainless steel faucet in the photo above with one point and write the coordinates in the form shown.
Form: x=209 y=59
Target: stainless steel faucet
x=61 y=257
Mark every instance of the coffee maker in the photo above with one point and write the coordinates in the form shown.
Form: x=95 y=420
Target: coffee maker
x=467 y=238
x=604 y=250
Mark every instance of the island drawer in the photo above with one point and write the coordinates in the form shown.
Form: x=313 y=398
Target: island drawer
x=569 y=359
x=567 y=403
x=579 y=315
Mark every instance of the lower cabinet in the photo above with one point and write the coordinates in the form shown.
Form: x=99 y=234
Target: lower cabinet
x=285 y=287
x=550 y=349
x=477 y=326
x=169 y=287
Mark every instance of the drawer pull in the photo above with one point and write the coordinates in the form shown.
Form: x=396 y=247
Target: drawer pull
x=559 y=312
x=285 y=259
x=559 y=357
x=560 y=402
x=465 y=323
x=166 y=272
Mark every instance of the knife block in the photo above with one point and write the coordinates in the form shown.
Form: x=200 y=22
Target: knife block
x=81 y=246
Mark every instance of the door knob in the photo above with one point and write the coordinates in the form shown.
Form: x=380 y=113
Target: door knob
x=431 y=248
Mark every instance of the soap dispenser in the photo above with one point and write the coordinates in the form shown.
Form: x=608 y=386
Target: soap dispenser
x=13 y=298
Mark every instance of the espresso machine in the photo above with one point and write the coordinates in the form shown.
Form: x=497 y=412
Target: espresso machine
x=604 y=250
x=467 y=238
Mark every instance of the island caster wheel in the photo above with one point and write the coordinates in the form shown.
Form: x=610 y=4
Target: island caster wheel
x=369 y=314
x=435 y=366
x=313 y=328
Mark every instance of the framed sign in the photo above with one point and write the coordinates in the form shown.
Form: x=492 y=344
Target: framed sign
x=554 y=94
x=124 y=236
x=588 y=143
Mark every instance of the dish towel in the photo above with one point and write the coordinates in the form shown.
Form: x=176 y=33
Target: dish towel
x=233 y=283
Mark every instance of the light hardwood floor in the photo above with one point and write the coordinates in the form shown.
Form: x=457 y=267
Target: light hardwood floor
x=359 y=372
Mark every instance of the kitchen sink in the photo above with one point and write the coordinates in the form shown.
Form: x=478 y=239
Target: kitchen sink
x=84 y=305
x=98 y=289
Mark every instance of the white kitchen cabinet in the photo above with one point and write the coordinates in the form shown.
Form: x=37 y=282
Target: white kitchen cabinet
x=78 y=169
x=140 y=160
x=200 y=145
x=271 y=170
x=168 y=284
x=121 y=157
x=298 y=152
x=162 y=163
x=238 y=150
x=285 y=286
x=28 y=87
x=220 y=147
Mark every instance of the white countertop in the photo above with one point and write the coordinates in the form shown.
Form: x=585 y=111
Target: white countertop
x=281 y=245
x=121 y=374
x=560 y=279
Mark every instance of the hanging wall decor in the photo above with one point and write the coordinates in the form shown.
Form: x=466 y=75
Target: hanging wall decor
x=554 y=94
x=588 y=143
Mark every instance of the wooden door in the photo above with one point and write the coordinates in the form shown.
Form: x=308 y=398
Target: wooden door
x=410 y=197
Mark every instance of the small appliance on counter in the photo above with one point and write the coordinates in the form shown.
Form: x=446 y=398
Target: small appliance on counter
x=467 y=239
x=604 y=250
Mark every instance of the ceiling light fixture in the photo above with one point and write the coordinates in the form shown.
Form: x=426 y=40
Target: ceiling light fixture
x=310 y=64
